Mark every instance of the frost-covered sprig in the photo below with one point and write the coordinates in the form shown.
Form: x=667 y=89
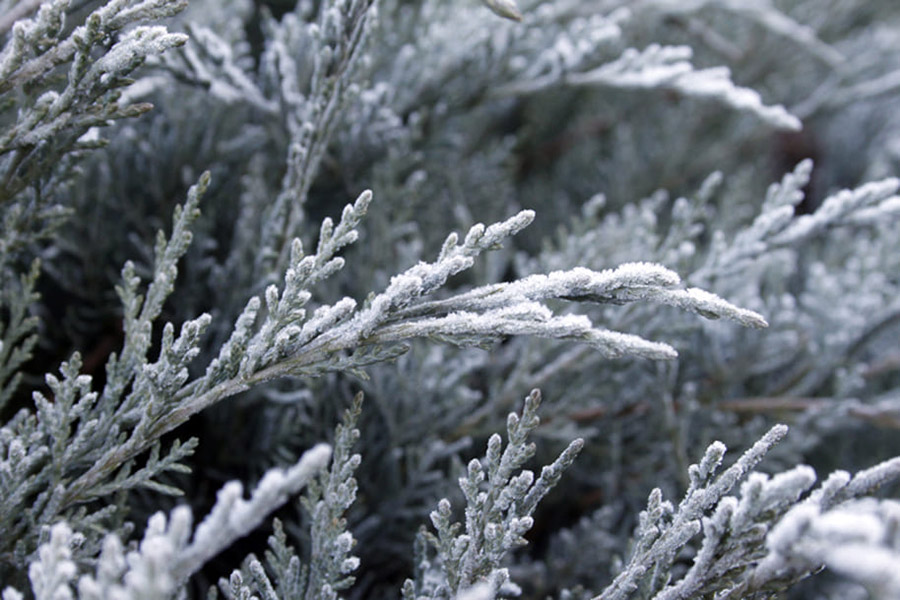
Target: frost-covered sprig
x=664 y=530
x=875 y=201
x=232 y=517
x=399 y=313
x=159 y=397
x=34 y=48
x=754 y=541
x=286 y=326
x=52 y=574
x=500 y=499
x=425 y=278
x=308 y=349
x=577 y=47
x=45 y=451
x=512 y=309
x=142 y=311
x=282 y=567
x=168 y=553
x=305 y=76
x=664 y=67
x=733 y=532
x=857 y=540
x=326 y=500
x=95 y=436
x=838 y=527
x=627 y=283
x=525 y=317
x=209 y=61
x=777 y=226
x=56 y=119
x=336 y=42
x=77 y=432
x=110 y=428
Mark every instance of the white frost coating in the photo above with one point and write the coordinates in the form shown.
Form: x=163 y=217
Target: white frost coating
x=324 y=318
x=766 y=224
x=716 y=83
x=403 y=288
x=699 y=473
x=669 y=66
x=885 y=211
x=837 y=207
x=479 y=591
x=54 y=569
x=870 y=479
x=575 y=284
x=232 y=517
x=617 y=344
x=839 y=524
x=534 y=319
x=823 y=495
x=424 y=278
x=11 y=593
x=856 y=539
x=789 y=191
x=629 y=282
x=497 y=232
x=877 y=568
x=709 y=305
x=786 y=487
x=135 y=45
x=585 y=282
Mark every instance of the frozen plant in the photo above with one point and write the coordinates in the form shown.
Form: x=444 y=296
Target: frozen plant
x=622 y=248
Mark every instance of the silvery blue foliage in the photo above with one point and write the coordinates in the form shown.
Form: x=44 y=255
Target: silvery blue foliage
x=623 y=248
x=496 y=517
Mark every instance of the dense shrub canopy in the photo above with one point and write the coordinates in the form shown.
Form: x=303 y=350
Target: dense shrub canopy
x=326 y=249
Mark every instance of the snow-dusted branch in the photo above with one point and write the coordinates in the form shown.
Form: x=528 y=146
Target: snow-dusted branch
x=168 y=553
x=664 y=67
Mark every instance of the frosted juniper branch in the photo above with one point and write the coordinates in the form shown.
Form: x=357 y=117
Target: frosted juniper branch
x=856 y=540
x=658 y=544
x=142 y=311
x=500 y=500
x=232 y=517
x=326 y=501
x=627 y=283
x=115 y=410
x=662 y=67
x=16 y=70
x=831 y=527
x=168 y=553
x=74 y=428
x=209 y=61
x=778 y=226
x=47 y=130
x=289 y=343
x=331 y=78
x=306 y=105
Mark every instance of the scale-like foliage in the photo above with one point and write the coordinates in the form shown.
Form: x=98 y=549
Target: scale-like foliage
x=657 y=323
